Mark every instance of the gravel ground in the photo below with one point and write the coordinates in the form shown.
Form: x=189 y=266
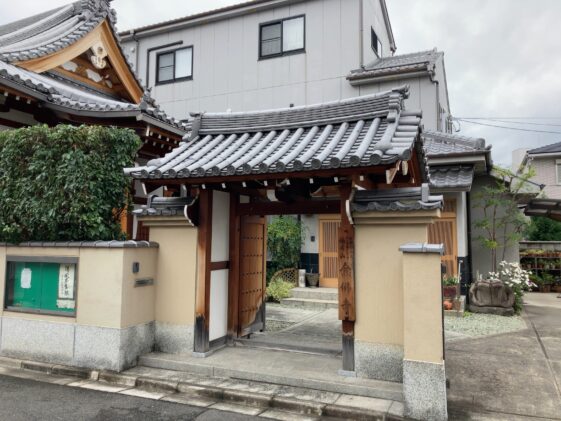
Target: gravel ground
x=474 y=325
x=276 y=325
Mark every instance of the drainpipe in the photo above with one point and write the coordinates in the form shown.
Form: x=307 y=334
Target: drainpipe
x=361 y=33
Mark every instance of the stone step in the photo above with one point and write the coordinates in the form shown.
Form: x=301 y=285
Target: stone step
x=328 y=294
x=309 y=304
x=281 y=368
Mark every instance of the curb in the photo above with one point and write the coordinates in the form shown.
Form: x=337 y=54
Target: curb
x=217 y=393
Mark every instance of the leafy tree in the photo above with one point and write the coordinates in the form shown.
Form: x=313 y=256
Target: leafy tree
x=543 y=229
x=502 y=223
x=64 y=183
x=285 y=237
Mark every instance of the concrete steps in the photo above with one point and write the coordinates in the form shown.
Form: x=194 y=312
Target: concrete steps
x=312 y=298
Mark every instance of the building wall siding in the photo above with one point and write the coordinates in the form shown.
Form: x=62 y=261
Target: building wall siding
x=546 y=174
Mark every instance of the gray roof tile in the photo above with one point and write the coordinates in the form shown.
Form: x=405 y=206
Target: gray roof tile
x=442 y=144
x=49 y=32
x=64 y=94
x=553 y=148
x=404 y=63
x=363 y=131
x=404 y=199
x=455 y=177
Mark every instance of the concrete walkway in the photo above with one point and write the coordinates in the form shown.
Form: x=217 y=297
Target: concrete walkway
x=512 y=376
x=315 y=331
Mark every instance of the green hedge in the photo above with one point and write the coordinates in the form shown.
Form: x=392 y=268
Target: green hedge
x=64 y=183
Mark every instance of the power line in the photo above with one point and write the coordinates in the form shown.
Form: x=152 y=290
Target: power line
x=511 y=118
x=506 y=127
x=516 y=122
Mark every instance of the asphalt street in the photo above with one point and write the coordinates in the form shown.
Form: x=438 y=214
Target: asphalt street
x=22 y=399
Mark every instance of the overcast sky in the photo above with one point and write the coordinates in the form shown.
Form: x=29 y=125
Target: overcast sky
x=503 y=57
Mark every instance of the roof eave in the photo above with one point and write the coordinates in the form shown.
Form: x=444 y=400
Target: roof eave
x=202 y=18
x=358 y=79
x=387 y=21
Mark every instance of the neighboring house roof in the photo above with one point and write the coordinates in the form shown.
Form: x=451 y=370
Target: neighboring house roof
x=165 y=206
x=404 y=199
x=419 y=62
x=365 y=131
x=553 y=148
x=550 y=208
x=454 y=159
x=78 y=100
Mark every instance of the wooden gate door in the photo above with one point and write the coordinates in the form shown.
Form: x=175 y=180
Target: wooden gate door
x=329 y=251
x=443 y=231
x=253 y=257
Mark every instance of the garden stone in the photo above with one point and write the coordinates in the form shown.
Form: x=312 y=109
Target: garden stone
x=491 y=297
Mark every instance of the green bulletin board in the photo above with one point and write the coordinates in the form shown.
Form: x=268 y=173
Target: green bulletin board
x=42 y=286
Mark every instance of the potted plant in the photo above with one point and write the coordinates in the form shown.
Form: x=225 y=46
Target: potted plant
x=450 y=286
x=312 y=279
x=547 y=281
x=536 y=281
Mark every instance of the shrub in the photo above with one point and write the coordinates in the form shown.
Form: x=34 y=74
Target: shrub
x=513 y=276
x=278 y=290
x=284 y=241
x=64 y=183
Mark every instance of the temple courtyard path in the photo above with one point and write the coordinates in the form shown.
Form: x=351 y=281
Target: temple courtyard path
x=510 y=376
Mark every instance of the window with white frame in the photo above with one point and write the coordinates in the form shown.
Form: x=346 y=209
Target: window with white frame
x=281 y=37
x=558 y=171
x=174 y=66
x=376 y=43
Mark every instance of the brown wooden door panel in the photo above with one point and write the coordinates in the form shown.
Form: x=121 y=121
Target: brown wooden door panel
x=329 y=251
x=253 y=239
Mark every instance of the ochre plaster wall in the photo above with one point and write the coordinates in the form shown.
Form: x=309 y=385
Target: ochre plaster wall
x=177 y=273
x=422 y=299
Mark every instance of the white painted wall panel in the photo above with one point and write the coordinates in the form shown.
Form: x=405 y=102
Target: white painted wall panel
x=220 y=248
x=310 y=226
x=218 y=326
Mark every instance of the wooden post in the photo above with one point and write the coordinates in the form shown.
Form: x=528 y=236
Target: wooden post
x=202 y=304
x=347 y=309
x=234 y=274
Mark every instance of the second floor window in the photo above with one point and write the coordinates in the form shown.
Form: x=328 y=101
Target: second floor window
x=376 y=44
x=558 y=171
x=286 y=36
x=174 y=66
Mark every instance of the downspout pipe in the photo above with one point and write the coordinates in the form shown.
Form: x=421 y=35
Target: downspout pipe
x=361 y=33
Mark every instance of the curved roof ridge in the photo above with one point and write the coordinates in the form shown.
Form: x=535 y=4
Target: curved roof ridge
x=473 y=142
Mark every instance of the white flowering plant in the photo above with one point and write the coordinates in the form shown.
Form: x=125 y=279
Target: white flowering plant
x=512 y=275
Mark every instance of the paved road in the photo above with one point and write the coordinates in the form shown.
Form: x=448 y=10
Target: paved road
x=512 y=376
x=28 y=400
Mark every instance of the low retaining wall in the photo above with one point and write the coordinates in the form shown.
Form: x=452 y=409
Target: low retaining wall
x=111 y=320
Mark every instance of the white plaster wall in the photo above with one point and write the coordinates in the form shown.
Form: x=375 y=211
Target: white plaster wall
x=218 y=304
x=220 y=247
x=310 y=226
x=422 y=96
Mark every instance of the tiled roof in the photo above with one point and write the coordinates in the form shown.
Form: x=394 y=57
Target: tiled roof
x=442 y=144
x=404 y=199
x=364 y=131
x=55 y=30
x=405 y=63
x=454 y=177
x=62 y=94
x=553 y=148
x=165 y=206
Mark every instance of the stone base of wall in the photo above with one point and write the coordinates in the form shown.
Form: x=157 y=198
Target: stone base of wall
x=424 y=390
x=174 y=339
x=73 y=344
x=379 y=361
